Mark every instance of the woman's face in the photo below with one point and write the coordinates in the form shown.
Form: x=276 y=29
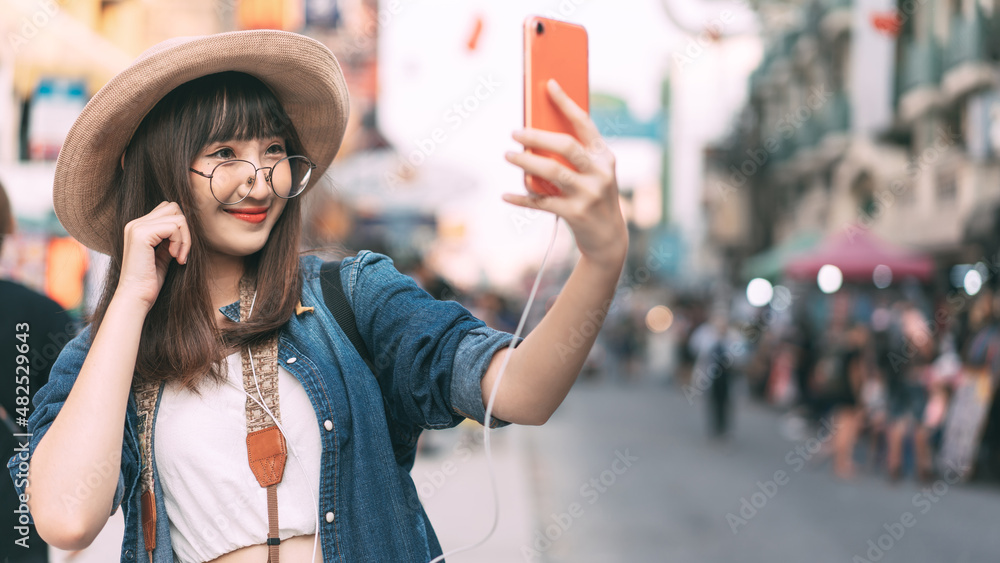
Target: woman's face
x=241 y=229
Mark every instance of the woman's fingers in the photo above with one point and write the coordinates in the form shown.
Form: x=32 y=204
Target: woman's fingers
x=180 y=238
x=545 y=168
x=534 y=201
x=163 y=209
x=585 y=128
x=172 y=229
x=184 y=241
x=559 y=143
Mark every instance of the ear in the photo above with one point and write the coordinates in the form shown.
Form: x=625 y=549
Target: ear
x=123 y=161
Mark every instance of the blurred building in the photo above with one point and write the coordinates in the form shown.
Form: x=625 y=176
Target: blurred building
x=868 y=113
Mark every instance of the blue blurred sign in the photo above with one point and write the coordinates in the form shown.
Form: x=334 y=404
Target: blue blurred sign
x=666 y=252
x=614 y=119
x=55 y=105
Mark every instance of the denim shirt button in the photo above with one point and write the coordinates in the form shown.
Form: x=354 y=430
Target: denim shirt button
x=328 y=424
x=329 y=517
x=291 y=360
x=128 y=554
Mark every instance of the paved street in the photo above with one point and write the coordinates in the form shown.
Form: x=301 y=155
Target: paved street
x=672 y=503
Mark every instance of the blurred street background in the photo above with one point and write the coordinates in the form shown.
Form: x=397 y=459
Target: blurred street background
x=802 y=359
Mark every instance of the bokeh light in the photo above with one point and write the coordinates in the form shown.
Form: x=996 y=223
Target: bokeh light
x=973 y=282
x=659 y=318
x=882 y=276
x=829 y=279
x=759 y=292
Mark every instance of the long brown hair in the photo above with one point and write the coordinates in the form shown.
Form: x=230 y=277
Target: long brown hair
x=179 y=339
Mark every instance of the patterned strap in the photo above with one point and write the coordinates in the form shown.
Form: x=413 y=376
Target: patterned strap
x=266 y=365
x=265 y=444
x=145 y=397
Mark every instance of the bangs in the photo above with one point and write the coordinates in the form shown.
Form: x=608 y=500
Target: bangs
x=233 y=106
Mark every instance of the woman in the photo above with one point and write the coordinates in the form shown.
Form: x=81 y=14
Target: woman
x=205 y=276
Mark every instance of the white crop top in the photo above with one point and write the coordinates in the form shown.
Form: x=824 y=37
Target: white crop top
x=213 y=501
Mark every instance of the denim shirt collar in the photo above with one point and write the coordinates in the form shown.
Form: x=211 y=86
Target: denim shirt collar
x=231 y=311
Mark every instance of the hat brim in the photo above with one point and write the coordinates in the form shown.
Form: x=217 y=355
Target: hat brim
x=302 y=72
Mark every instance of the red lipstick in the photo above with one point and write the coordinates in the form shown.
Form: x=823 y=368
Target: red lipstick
x=249 y=214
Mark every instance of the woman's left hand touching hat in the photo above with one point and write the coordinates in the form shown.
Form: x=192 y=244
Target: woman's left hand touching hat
x=589 y=199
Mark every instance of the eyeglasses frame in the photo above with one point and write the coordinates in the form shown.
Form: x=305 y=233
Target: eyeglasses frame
x=267 y=177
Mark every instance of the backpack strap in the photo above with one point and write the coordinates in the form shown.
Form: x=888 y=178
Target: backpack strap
x=403 y=436
x=336 y=302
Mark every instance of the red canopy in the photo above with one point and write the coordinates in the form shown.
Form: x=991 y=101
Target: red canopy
x=856 y=251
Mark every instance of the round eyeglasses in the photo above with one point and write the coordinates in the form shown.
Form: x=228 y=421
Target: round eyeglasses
x=233 y=180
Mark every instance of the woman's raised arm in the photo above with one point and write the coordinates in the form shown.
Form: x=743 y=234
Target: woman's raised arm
x=544 y=366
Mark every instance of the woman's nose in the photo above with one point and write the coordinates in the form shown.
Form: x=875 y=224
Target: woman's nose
x=257 y=183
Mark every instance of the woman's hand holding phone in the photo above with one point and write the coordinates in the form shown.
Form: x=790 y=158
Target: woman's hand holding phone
x=588 y=201
x=146 y=257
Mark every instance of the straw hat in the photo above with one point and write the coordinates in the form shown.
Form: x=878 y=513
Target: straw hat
x=302 y=72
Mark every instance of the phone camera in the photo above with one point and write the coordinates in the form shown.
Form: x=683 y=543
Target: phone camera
x=539 y=28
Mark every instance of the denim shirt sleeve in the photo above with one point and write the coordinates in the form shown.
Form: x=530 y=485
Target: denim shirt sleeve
x=47 y=403
x=431 y=355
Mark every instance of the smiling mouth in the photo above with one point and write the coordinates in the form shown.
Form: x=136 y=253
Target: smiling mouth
x=254 y=215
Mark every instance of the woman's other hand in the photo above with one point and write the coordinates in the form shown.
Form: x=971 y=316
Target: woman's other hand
x=145 y=260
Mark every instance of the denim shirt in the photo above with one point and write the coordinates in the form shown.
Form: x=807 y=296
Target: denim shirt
x=430 y=357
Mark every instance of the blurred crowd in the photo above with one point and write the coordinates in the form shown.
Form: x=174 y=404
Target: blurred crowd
x=906 y=381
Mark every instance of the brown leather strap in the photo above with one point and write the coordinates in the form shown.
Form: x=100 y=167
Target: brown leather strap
x=273 y=539
x=149 y=521
x=266 y=454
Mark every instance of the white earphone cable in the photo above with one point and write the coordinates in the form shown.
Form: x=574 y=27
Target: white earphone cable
x=489 y=406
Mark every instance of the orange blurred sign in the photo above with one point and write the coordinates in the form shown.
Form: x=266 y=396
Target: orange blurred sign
x=66 y=265
x=270 y=14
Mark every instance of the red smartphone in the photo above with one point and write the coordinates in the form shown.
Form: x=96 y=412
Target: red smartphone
x=552 y=49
